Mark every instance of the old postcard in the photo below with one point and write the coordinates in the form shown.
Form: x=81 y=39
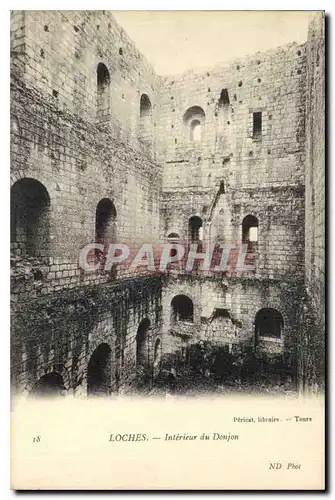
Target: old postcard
x=167 y=250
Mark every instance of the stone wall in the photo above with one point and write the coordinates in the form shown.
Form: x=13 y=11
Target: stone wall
x=60 y=147
x=313 y=335
x=271 y=83
x=92 y=123
x=77 y=160
x=225 y=314
x=261 y=175
x=57 y=52
x=234 y=170
x=279 y=253
x=58 y=333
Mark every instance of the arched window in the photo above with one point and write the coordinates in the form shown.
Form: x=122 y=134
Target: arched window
x=145 y=118
x=195 y=228
x=105 y=221
x=30 y=218
x=250 y=229
x=50 y=385
x=182 y=309
x=99 y=371
x=103 y=93
x=142 y=343
x=269 y=323
x=194 y=120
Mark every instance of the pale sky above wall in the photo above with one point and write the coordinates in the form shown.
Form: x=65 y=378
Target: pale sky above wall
x=174 y=41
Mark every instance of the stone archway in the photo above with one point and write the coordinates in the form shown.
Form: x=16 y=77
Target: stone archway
x=50 y=385
x=30 y=218
x=99 y=372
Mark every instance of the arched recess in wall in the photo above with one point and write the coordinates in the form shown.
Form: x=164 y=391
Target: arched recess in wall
x=182 y=309
x=99 y=371
x=269 y=323
x=250 y=230
x=103 y=93
x=105 y=221
x=142 y=343
x=173 y=236
x=30 y=218
x=145 y=118
x=50 y=385
x=195 y=228
x=194 y=122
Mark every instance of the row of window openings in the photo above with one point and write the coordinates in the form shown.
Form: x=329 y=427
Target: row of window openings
x=196 y=124
x=103 y=102
x=194 y=118
x=196 y=128
x=268 y=322
x=30 y=218
x=30 y=225
x=195 y=226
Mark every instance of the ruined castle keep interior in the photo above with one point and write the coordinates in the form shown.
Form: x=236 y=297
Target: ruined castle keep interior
x=105 y=149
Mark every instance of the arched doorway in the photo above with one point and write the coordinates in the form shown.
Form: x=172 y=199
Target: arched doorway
x=30 y=212
x=182 y=309
x=99 y=372
x=105 y=221
x=50 y=385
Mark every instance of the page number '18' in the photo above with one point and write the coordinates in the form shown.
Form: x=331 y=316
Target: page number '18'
x=36 y=439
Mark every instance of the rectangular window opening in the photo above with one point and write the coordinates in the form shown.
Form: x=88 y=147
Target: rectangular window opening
x=257 y=125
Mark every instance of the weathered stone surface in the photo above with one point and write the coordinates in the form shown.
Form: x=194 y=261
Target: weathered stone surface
x=312 y=342
x=128 y=136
